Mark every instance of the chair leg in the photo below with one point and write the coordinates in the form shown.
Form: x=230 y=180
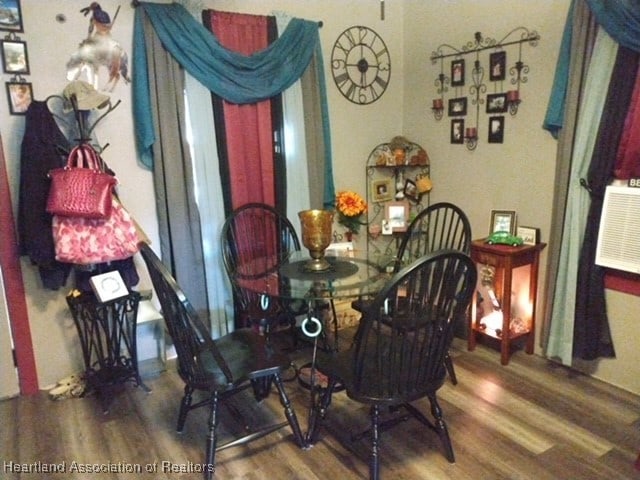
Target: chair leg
x=441 y=428
x=289 y=412
x=210 y=453
x=374 y=460
x=448 y=363
x=185 y=406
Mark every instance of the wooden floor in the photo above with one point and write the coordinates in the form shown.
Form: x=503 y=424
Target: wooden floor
x=529 y=420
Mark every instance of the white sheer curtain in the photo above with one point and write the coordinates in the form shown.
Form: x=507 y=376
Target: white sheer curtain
x=202 y=140
x=294 y=144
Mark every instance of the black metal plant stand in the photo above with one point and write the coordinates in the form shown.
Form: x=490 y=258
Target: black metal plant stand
x=107 y=334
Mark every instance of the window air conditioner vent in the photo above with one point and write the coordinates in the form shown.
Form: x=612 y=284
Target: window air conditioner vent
x=619 y=236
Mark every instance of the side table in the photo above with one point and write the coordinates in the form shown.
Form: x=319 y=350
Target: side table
x=506 y=310
x=107 y=333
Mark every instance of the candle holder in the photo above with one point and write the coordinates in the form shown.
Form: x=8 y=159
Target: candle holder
x=471 y=138
x=513 y=100
x=438 y=108
x=316 y=236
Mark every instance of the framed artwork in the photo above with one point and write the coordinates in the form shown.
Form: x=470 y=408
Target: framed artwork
x=411 y=190
x=457 y=131
x=458 y=107
x=397 y=215
x=497 y=66
x=457 y=73
x=496 y=129
x=503 y=221
x=11 y=16
x=14 y=56
x=496 y=103
x=20 y=95
x=529 y=235
x=382 y=190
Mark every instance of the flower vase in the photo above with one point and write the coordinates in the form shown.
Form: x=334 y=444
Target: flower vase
x=348 y=235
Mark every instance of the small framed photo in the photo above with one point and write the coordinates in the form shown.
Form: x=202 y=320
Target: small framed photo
x=397 y=215
x=20 y=95
x=457 y=73
x=503 y=221
x=457 y=131
x=457 y=107
x=411 y=190
x=496 y=129
x=14 y=57
x=497 y=66
x=11 y=16
x=529 y=235
x=496 y=103
x=382 y=190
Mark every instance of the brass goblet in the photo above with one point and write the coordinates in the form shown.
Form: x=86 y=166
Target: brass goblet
x=317 y=226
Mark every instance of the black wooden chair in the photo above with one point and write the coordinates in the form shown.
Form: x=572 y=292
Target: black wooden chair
x=220 y=368
x=256 y=239
x=400 y=344
x=439 y=226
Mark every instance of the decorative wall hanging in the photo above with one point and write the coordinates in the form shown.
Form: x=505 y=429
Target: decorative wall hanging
x=20 y=95
x=500 y=100
x=360 y=65
x=14 y=57
x=11 y=16
x=99 y=50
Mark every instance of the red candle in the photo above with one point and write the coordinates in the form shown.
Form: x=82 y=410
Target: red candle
x=471 y=132
x=437 y=104
x=513 y=95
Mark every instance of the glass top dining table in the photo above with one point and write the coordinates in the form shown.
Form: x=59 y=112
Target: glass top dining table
x=350 y=275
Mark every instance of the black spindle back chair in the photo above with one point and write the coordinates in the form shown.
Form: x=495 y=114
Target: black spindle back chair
x=400 y=345
x=219 y=368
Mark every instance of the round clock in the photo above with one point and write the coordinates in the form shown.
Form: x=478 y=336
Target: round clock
x=360 y=65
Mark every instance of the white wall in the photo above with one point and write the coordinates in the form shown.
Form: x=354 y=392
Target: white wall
x=516 y=175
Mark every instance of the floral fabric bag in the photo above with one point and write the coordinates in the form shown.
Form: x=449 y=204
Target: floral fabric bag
x=85 y=241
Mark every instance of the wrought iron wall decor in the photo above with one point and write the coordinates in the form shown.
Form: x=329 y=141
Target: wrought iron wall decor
x=500 y=71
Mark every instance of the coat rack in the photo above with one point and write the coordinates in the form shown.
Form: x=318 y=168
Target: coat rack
x=500 y=101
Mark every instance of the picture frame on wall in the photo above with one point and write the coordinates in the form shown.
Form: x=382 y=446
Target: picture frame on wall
x=503 y=221
x=496 y=129
x=15 y=59
x=496 y=103
x=458 y=107
x=457 y=131
x=20 y=95
x=411 y=191
x=382 y=190
x=457 y=73
x=529 y=235
x=11 y=16
x=497 y=66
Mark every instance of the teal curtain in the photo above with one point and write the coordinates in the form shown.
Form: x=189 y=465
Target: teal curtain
x=620 y=19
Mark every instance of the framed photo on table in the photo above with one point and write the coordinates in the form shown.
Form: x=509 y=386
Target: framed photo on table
x=503 y=221
x=529 y=235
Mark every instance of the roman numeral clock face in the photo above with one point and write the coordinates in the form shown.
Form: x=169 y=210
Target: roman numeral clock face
x=361 y=65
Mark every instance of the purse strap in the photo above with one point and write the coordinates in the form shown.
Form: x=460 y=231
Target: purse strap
x=85 y=156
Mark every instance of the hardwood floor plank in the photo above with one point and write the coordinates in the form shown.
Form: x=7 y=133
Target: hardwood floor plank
x=529 y=420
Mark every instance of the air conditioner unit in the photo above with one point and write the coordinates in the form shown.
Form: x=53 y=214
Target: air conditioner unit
x=619 y=235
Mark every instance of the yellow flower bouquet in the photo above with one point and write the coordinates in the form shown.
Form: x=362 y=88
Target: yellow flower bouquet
x=350 y=207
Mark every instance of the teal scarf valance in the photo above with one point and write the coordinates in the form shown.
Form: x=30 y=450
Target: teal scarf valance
x=235 y=77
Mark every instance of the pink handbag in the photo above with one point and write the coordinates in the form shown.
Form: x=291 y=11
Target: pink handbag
x=86 y=241
x=81 y=188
